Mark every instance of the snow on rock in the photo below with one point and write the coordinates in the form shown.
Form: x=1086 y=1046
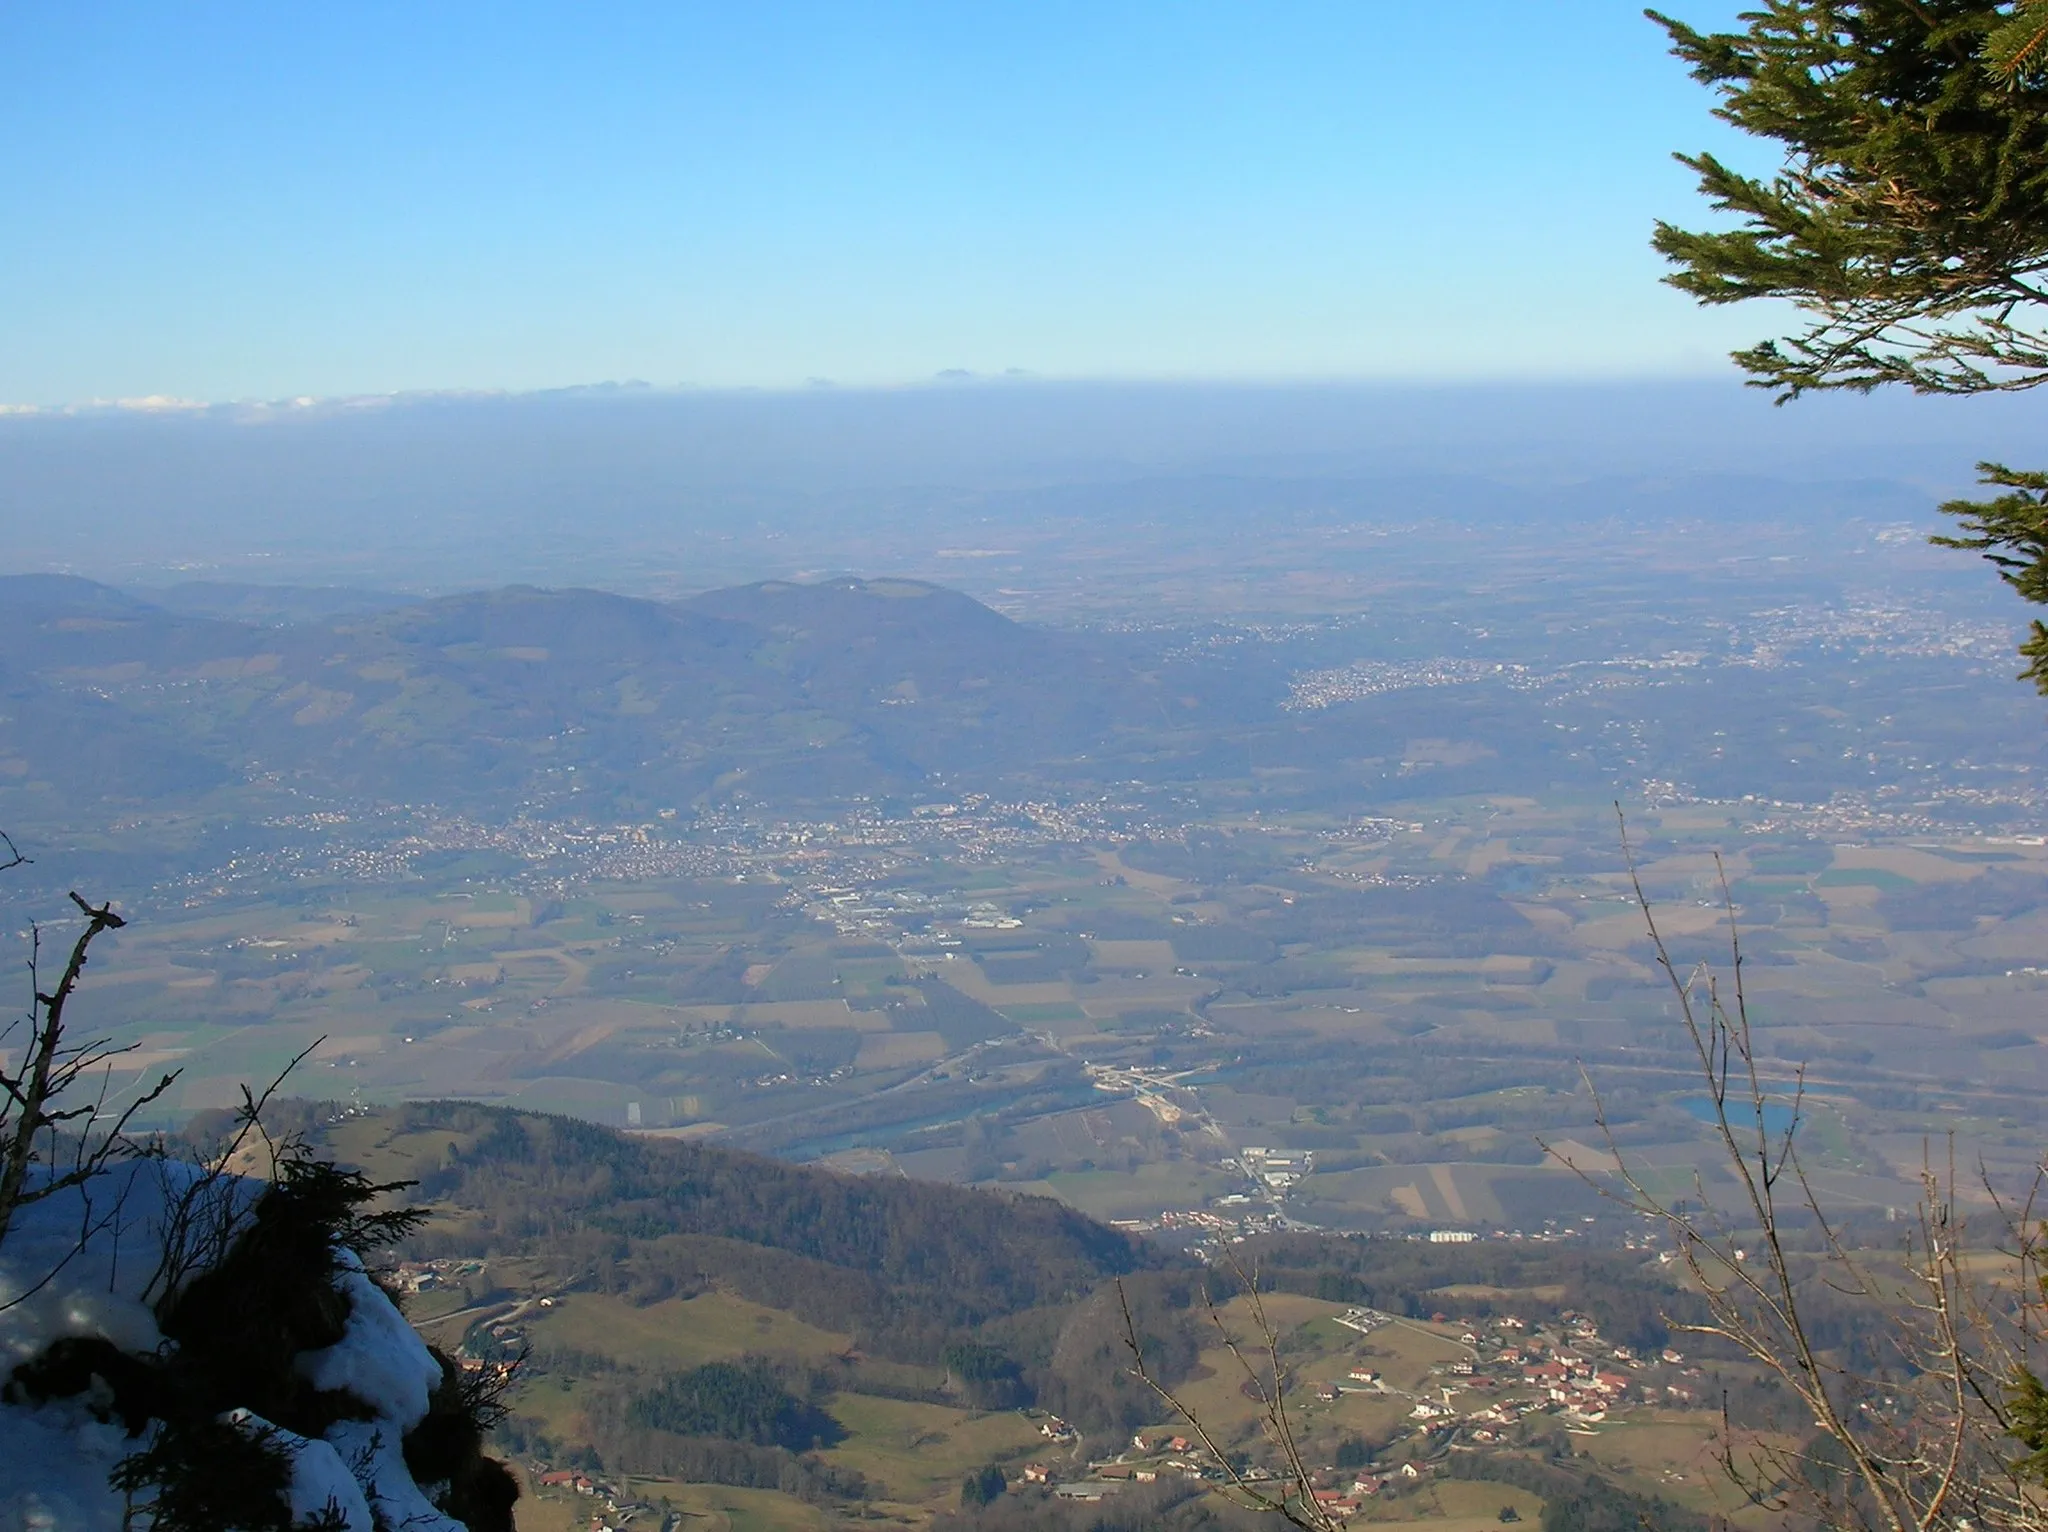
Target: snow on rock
x=382 y=1361
x=55 y=1457
x=376 y=1457
x=54 y=1463
x=321 y=1482
x=52 y=1286
x=379 y=1358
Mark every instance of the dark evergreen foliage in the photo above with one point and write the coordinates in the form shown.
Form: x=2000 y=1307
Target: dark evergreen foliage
x=741 y=1401
x=2011 y=531
x=1575 y=1499
x=1909 y=224
x=237 y=1329
x=201 y=1474
x=618 y=1444
x=239 y=1325
x=447 y=1447
x=138 y=1389
x=984 y=1486
x=922 y=1261
x=1911 y=219
x=2028 y=1403
x=1629 y=1302
x=986 y=1376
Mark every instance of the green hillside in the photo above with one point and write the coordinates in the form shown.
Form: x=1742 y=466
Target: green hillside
x=904 y=1269
x=699 y=1322
x=526 y=1184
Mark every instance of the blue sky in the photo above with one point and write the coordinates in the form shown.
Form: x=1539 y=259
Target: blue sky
x=230 y=202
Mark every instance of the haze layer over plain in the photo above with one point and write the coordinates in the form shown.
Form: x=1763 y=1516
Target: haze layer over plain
x=643 y=489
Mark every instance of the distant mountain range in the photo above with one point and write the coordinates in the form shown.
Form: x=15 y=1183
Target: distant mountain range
x=776 y=691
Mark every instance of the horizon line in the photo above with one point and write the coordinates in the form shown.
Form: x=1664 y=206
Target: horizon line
x=307 y=405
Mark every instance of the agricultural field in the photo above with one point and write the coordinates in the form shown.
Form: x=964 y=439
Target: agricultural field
x=1407 y=1006
x=707 y=1507
x=914 y=1454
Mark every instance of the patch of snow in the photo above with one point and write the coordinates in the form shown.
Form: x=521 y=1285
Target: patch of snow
x=321 y=1482
x=81 y=1262
x=376 y=1458
x=380 y=1358
x=54 y=1462
x=55 y=1458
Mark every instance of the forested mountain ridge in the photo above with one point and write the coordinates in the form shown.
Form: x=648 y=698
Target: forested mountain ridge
x=713 y=1317
x=798 y=691
x=932 y=1257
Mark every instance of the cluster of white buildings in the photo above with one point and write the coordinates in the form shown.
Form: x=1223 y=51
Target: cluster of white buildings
x=1275 y=1169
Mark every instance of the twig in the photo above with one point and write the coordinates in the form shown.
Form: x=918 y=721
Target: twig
x=1923 y=1451
x=1296 y=1503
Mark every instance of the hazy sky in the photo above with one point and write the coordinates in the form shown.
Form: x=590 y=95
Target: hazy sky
x=256 y=201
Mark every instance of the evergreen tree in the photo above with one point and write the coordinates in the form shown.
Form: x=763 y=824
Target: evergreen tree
x=1908 y=224
x=984 y=1487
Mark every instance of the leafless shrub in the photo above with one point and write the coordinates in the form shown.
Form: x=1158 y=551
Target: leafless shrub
x=1287 y=1493
x=1925 y=1437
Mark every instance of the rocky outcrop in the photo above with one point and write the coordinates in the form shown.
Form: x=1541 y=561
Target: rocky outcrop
x=186 y=1350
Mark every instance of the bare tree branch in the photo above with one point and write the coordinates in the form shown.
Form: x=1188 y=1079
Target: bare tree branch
x=1295 y=1501
x=201 y=1222
x=37 y=1109
x=1925 y=1445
